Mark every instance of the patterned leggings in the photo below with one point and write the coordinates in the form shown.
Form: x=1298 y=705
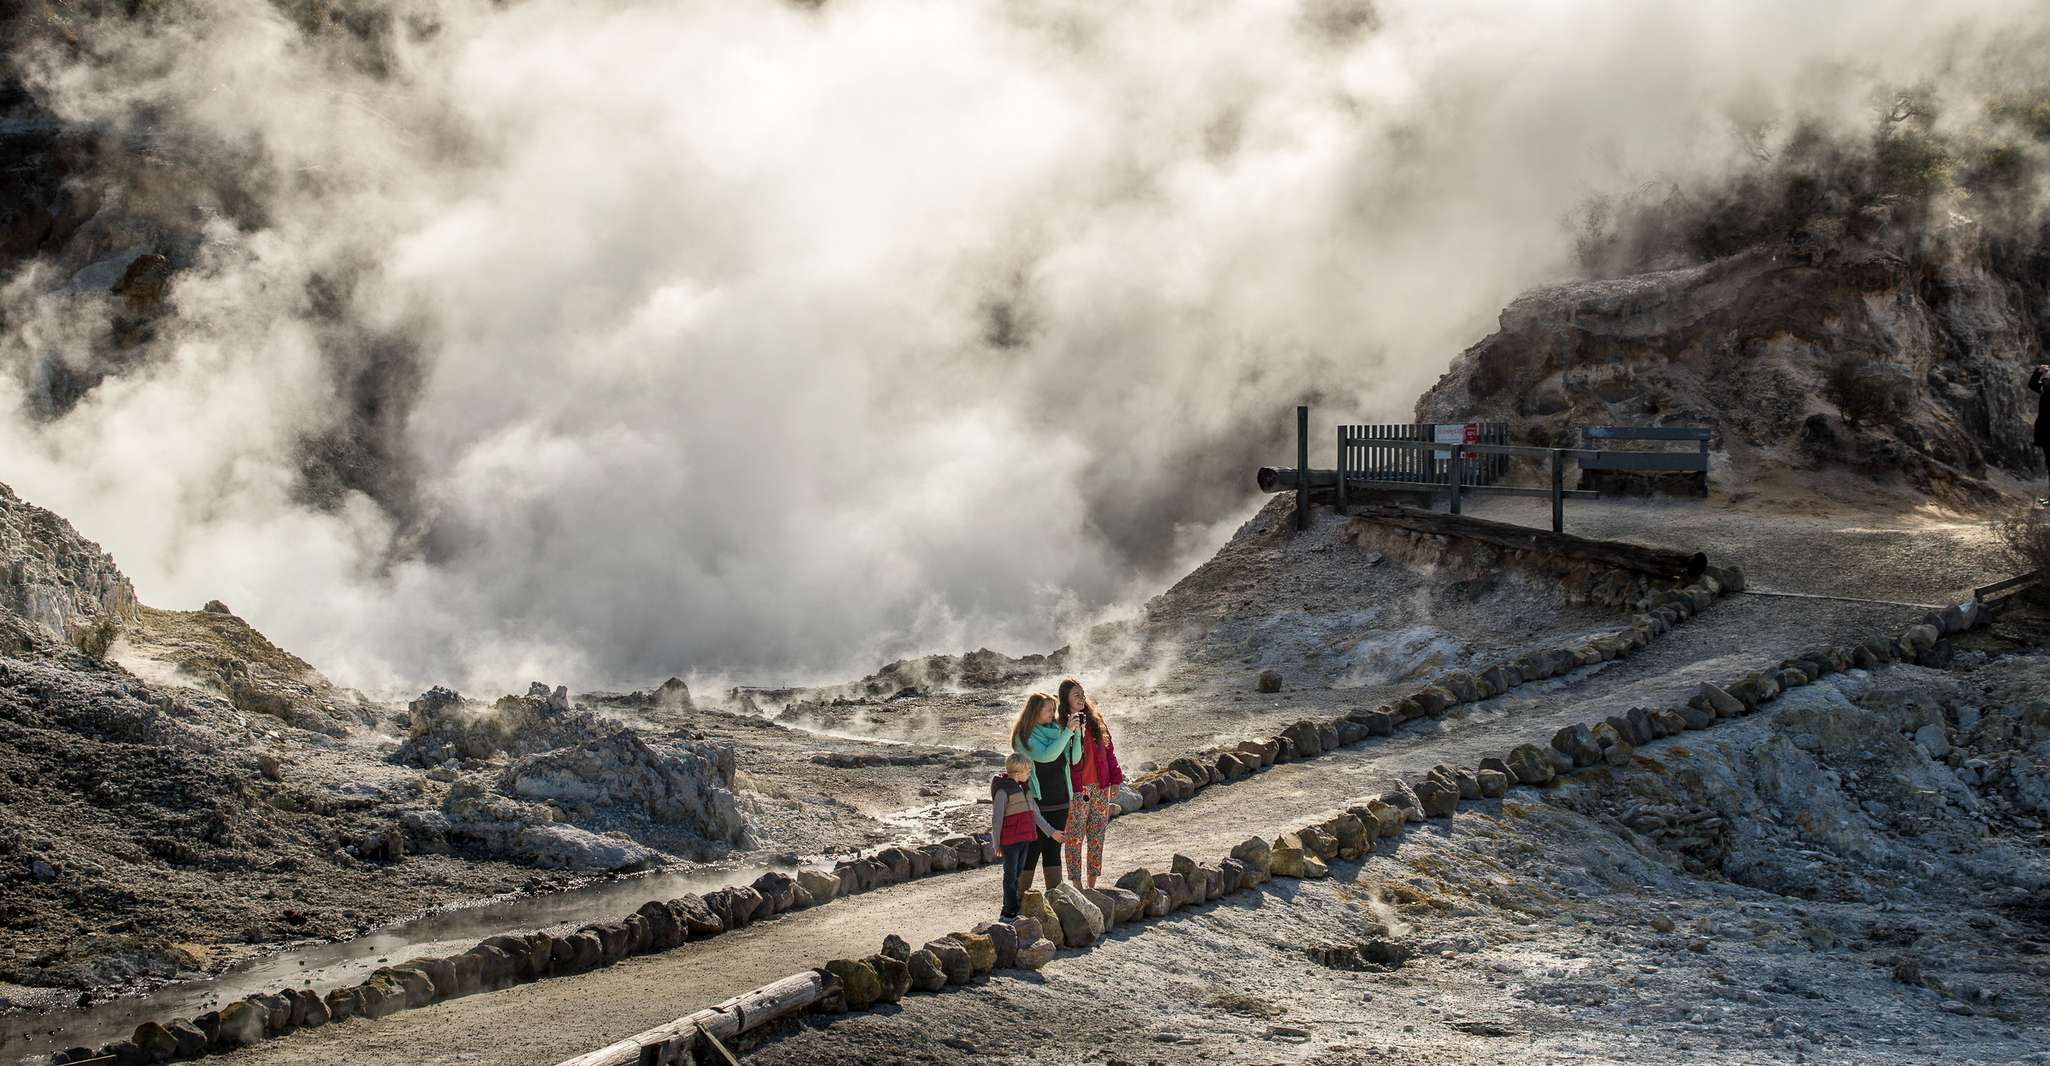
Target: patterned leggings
x=1088 y=817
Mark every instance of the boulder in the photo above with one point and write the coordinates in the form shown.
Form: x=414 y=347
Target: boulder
x=1351 y=834
x=954 y=959
x=982 y=950
x=1033 y=904
x=1493 y=782
x=1696 y=717
x=1252 y=851
x=858 y=982
x=1576 y=742
x=1003 y=936
x=1530 y=766
x=1081 y=920
x=1036 y=954
x=1105 y=904
x=821 y=887
x=778 y=891
x=1921 y=637
x=342 y=1004
x=1719 y=701
x=192 y=1040
x=896 y=947
x=927 y=974
x=1270 y=681
x=1388 y=819
x=1139 y=882
x=1287 y=862
x=1314 y=867
x=1433 y=700
x=664 y=930
x=1642 y=729
x=242 y=1024
x=1670 y=722
x=155 y=1042
x=1303 y=735
x=941 y=858
x=1438 y=800
x=893 y=975
x=1327 y=736
x=1175 y=889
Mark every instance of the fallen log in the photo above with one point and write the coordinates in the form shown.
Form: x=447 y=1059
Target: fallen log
x=743 y=1013
x=1658 y=562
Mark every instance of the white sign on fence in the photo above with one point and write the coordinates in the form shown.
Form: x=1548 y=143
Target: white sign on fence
x=1455 y=433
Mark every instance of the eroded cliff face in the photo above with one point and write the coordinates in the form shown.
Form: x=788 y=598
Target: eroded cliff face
x=52 y=575
x=1897 y=361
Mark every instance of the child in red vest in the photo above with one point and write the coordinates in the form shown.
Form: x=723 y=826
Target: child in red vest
x=1016 y=826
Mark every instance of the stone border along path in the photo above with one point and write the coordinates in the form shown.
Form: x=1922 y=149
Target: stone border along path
x=502 y=961
x=1077 y=918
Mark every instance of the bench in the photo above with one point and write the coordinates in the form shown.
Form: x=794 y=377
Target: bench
x=1695 y=462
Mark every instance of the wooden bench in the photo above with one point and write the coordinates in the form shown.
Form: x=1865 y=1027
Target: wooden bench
x=1695 y=462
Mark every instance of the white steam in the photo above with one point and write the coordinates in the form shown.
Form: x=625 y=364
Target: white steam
x=753 y=337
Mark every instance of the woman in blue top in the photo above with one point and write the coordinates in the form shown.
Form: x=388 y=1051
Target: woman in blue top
x=1053 y=749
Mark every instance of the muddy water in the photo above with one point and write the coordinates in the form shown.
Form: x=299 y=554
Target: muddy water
x=31 y=1038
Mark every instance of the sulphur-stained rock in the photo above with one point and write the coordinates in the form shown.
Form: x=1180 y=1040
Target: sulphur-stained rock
x=1081 y=920
x=982 y=950
x=927 y=974
x=1493 y=782
x=1033 y=904
x=1036 y=954
x=1314 y=867
x=1004 y=936
x=1287 y=862
x=858 y=982
x=1027 y=929
x=953 y=956
x=893 y=977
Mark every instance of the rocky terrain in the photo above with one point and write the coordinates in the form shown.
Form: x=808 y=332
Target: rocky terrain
x=1855 y=876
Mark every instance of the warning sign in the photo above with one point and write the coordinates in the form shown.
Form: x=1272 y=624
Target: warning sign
x=1455 y=433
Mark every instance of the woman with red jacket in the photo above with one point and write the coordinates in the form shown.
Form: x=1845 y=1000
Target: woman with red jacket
x=1095 y=778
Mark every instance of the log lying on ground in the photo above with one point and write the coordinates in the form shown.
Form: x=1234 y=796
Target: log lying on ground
x=1659 y=562
x=742 y=1014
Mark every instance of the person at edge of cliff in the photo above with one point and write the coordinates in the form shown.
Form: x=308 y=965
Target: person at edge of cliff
x=1053 y=748
x=2039 y=383
x=1095 y=777
x=1017 y=826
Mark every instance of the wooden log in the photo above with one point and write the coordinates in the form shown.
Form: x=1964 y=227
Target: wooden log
x=1660 y=562
x=743 y=1013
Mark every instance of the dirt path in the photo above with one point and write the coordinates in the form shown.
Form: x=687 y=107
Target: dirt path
x=548 y=1021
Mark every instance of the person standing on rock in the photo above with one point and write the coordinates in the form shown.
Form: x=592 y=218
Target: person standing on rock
x=1017 y=826
x=1094 y=777
x=1053 y=749
x=2039 y=383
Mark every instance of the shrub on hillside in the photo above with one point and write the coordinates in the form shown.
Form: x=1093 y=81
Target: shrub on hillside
x=2025 y=535
x=1869 y=391
x=98 y=637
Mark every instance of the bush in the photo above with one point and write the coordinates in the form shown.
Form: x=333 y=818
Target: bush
x=1867 y=390
x=98 y=637
x=2025 y=535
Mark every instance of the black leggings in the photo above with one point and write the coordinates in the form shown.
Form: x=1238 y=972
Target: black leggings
x=1047 y=848
x=1017 y=860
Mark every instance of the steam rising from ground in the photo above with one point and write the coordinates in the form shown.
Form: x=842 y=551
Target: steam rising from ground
x=752 y=337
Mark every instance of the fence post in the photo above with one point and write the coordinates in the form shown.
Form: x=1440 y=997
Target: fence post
x=1558 y=491
x=1455 y=471
x=1341 y=470
x=1302 y=467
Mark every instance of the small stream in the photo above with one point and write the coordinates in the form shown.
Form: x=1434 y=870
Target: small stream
x=30 y=1038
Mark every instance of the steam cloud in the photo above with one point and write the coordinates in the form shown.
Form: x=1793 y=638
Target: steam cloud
x=759 y=337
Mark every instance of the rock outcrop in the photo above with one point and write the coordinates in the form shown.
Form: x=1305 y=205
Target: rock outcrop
x=52 y=575
x=1906 y=358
